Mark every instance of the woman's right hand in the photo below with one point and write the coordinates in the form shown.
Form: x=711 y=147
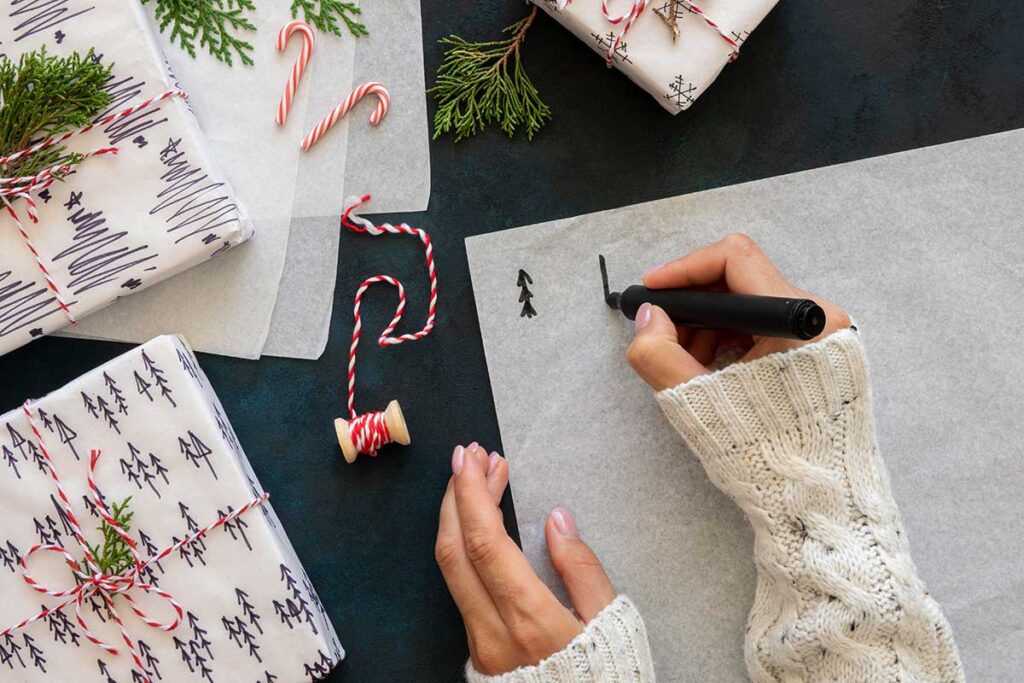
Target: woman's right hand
x=665 y=355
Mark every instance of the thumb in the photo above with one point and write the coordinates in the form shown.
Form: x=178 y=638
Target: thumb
x=655 y=353
x=589 y=588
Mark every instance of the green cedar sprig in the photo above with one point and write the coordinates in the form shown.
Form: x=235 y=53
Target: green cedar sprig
x=114 y=556
x=484 y=83
x=42 y=95
x=213 y=23
x=324 y=14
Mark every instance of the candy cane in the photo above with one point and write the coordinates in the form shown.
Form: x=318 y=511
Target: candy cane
x=299 y=67
x=379 y=112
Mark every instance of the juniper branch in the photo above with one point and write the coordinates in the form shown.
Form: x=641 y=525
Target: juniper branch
x=114 y=556
x=324 y=14
x=42 y=95
x=213 y=23
x=481 y=83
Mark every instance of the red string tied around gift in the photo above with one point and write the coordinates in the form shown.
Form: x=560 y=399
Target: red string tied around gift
x=90 y=580
x=366 y=433
x=637 y=8
x=13 y=189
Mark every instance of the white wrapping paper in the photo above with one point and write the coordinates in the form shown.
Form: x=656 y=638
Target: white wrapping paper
x=251 y=613
x=674 y=71
x=119 y=224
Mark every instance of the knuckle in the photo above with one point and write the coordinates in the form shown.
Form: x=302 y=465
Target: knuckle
x=740 y=242
x=641 y=352
x=446 y=551
x=481 y=547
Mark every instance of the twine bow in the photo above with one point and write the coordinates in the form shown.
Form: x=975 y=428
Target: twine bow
x=91 y=581
x=13 y=189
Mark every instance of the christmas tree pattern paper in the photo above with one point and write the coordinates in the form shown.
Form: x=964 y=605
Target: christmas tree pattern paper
x=119 y=223
x=249 y=611
x=675 y=49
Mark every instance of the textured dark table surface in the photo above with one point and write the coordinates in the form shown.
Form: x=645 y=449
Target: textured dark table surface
x=819 y=83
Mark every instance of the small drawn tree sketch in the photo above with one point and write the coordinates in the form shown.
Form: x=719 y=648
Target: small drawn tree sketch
x=525 y=295
x=157 y=379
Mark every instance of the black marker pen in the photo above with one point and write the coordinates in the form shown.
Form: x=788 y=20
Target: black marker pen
x=762 y=316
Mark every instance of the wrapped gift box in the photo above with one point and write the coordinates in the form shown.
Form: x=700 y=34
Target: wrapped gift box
x=118 y=224
x=674 y=66
x=249 y=610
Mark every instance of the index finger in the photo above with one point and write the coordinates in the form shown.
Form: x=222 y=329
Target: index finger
x=735 y=260
x=500 y=564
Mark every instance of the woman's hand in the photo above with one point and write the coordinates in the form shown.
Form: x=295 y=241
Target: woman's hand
x=665 y=355
x=512 y=619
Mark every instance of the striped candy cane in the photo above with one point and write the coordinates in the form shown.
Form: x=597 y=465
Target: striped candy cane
x=379 y=112
x=298 y=68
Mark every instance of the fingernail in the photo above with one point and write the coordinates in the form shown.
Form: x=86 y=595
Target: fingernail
x=457 y=458
x=643 y=316
x=651 y=270
x=564 y=522
x=473 y=446
x=492 y=463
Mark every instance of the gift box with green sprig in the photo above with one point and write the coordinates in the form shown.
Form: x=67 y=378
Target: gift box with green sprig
x=131 y=199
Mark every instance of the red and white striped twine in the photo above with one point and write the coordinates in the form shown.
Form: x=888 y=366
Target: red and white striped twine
x=369 y=432
x=90 y=581
x=13 y=189
x=360 y=91
x=308 y=41
x=636 y=9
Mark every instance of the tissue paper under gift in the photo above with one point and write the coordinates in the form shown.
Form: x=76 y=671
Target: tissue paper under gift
x=674 y=49
x=249 y=612
x=118 y=223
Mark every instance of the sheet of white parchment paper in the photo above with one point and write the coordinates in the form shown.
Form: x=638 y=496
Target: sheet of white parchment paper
x=923 y=248
x=278 y=300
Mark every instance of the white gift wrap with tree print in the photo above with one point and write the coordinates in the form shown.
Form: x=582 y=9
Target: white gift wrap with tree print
x=119 y=223
x=250 y=612
x=674 y=71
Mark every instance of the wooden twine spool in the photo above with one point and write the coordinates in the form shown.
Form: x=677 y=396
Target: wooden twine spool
x=393 y=420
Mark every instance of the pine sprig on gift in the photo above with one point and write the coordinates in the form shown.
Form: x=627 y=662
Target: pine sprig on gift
x=324 y=14
x=211 y=23
x=114 y=556
x=484 y=83
x=42 y=95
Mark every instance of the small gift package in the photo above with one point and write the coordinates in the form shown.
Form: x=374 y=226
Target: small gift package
x=204 y=585
x=673 y=49
x=118 y=221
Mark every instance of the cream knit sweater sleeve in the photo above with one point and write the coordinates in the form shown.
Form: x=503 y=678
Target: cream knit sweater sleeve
x=790 y=437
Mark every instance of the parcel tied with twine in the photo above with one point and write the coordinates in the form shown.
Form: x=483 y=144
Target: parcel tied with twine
x=213 y=590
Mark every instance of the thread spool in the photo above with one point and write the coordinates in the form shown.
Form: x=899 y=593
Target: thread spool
x=393 y=421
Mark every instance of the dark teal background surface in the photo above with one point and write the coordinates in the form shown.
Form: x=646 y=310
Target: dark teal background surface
x=819 y=83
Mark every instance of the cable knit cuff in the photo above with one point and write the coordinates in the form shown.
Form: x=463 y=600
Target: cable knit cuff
x=612 y=649
x=769 y=398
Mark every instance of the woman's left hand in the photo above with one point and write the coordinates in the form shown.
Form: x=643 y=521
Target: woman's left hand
x=512 y=619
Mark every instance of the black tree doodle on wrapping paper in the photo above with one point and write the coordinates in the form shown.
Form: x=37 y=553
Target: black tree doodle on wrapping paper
x=197 y=548
x=34 y=652
x=98 y=407
x=188 y=196
x=66 y=435
x=10 y=556
x=11 y=460
x=149 y=659
x=188 y=364
x=188 y=554
x=243 y=637
x=61 y=627
x=123 y=93
x=10 y=653
x=116 y=394
x=681 y=92
x=607 y=40
x=105 y=672
x=62 y=516
x=314 y=597
x=45 y=418
x=37 y=458
x=142 y=473
x=41 y=15
x=194 y=450
x=319 y=668
x=236 y=527
x=265 y=509
x=268 y=678
x=150 y=550
x=90 y=506
x=248 y=611
x=157 y=378
x=295 y=606
x=196 y=653
x=525 y=295
x=227 y=432
x=48 y=531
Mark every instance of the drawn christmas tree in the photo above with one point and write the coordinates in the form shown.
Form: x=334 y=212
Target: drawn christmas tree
x=149 y=659
x=150 y=550
x=187 y=364
x=226 y=431
x=37 y=457
x=61 y=627
x=47 y=531
x=295 y=606
x=34 y=653
x=108 y=414
x=11 y=460
x=236 y=527
x=156 y=376
x=90 y=406
x=242 y=635
x=10 y=556
x=116 y=394
x=105 y=672
x=196 y=652
x=265 y=509
x=17 y=441
x=138 y=471
x=66 y=434
x=319 y=668
x=268 y=678
x=142 y=386
x=194 y=450
x=190 y=522
x=44 y=417
x=248 y=611
x=65 y=522
x=10 y=653
x=525 y=295
x=91 y=506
